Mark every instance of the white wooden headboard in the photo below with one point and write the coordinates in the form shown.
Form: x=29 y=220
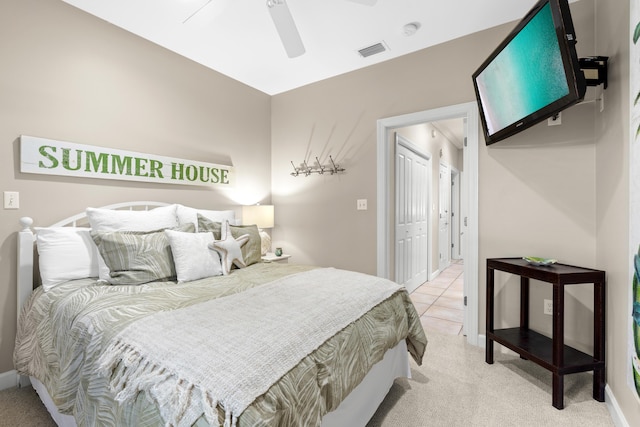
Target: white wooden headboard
x=26 y=240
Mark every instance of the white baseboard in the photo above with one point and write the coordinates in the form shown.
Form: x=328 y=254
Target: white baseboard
x=482 y=341
x=612 y=404
x=614 y=409
x=8 y=379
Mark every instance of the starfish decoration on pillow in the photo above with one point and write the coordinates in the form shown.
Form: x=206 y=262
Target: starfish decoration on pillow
x=230 y=249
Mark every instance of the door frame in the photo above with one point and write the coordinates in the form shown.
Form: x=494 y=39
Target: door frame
x=384 y=179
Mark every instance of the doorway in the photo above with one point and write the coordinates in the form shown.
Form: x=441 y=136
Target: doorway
x=385 y=227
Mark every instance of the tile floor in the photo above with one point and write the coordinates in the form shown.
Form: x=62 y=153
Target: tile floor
x=440 y=301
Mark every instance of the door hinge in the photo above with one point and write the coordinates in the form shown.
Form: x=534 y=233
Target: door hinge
x=465 y=301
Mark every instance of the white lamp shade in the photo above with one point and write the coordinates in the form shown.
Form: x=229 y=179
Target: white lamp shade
x=260 y=215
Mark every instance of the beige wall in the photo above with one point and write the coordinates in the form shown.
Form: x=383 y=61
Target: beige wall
x=537 y=190
x=316 y=218
x=69 y=76
x=612 y=195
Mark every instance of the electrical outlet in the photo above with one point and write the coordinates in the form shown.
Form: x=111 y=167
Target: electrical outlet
x=361 y=204
x=555 y=120
x=548 y=306
x=11 y=200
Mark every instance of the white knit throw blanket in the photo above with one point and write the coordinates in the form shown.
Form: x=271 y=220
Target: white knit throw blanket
x=231 y=350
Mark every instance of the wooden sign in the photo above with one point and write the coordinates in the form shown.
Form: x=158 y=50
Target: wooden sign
x=51 y=157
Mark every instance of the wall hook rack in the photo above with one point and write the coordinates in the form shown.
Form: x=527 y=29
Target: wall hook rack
x=318 y=168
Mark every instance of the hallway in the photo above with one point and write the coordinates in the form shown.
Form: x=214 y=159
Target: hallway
x=440 y=302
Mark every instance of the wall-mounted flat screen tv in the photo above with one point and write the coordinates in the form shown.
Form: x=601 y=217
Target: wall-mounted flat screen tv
x=532 y=75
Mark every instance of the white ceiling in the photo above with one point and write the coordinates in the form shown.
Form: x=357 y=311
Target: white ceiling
x=238 y=38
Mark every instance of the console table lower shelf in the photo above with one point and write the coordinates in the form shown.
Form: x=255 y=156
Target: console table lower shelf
x=536 y=347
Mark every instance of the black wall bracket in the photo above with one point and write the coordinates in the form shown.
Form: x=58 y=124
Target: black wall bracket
x=595 y=70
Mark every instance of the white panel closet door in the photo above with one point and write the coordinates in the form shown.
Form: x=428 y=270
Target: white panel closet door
x=412 y=225
x=444 y=224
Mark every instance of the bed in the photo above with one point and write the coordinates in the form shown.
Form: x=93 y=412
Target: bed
x=152 y=314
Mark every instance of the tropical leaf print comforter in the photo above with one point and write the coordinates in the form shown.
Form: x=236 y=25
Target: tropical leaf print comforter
x=62 y=334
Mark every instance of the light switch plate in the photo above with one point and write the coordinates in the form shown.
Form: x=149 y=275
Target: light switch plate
x=11 y=200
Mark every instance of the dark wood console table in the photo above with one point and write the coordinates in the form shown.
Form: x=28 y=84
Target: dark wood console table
x=550 y=353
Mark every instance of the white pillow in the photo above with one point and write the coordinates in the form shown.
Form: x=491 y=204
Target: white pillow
x=65 y=253
x=190 y=215
x=115 y=220
x=192 y=257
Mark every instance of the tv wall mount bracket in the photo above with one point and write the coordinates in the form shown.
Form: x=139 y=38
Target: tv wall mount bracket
x=595 y=70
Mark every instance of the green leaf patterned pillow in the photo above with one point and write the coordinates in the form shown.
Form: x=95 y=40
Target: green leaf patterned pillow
x=251 y=251
x=137 y=257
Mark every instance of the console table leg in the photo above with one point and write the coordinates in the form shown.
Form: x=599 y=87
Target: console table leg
x=488 y=355
x=524 y=305
x=599 y=349
x=598 y=384
x=558 y=391
x=490 y=307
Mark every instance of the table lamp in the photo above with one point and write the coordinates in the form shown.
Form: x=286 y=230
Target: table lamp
x=262 y=216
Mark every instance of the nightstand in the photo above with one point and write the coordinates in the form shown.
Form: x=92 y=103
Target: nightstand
x=271 y=257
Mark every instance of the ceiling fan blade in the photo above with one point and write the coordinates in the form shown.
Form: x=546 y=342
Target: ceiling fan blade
x=286 y=27
x=367 y=2
x=196 y=11
x=207 y=12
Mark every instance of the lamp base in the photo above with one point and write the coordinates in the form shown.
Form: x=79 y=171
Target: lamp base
x=265 y=241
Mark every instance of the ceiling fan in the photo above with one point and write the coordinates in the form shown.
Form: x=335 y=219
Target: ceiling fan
x=285 y=25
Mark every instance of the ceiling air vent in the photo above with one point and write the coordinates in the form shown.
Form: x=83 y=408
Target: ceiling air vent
x=372 y=50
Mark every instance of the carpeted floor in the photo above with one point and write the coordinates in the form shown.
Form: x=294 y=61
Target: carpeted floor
x=21 y=407
x=453 y=387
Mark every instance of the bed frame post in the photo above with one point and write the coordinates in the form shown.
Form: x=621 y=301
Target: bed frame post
x=25 y=272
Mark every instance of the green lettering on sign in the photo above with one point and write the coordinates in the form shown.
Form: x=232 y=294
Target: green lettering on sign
x=97 y=163
x=50 y=157
x=44 y=150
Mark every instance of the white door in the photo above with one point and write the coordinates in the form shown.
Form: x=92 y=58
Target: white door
x=456 y=242
x=444 y=217
x=412 y=226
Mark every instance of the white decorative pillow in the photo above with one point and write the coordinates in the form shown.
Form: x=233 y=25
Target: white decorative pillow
x=230 y=249
x=65 y=253
x=190 y=215
x=192 y=256
x=118 y=220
